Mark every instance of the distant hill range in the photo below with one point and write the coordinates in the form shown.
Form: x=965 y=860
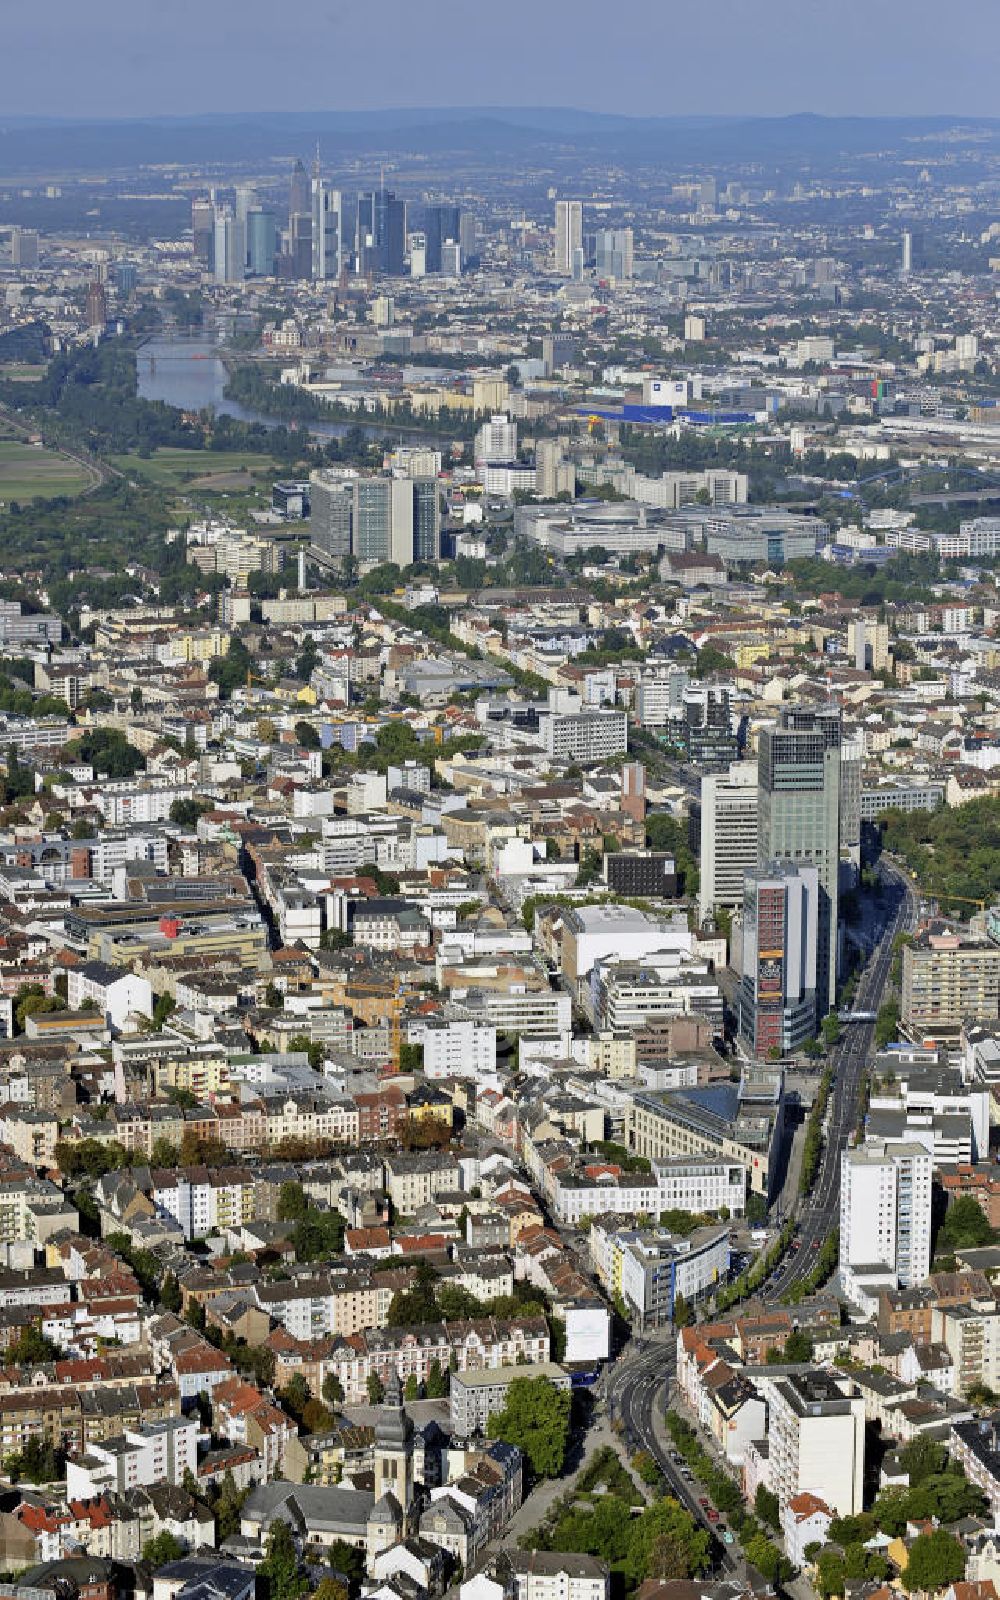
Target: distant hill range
x=50 y=146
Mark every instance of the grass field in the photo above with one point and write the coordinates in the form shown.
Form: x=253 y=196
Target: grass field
x=21 y=371
x=206 y=470
x=30 y=473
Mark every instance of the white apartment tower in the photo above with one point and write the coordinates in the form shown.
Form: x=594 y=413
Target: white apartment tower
x=569 y=234
x=728 y=846
x=496 y=440
x=885 y=1215
x=816 y=1435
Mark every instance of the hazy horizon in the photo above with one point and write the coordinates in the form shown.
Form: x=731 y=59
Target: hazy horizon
x=134 y=58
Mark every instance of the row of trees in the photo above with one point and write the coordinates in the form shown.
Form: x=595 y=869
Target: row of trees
x=824 y=1265
x=812 y=1148
x=951 y=852
x=760 y=1549
x=750 y=1280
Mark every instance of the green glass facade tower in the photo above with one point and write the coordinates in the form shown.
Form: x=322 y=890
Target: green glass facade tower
x=799 y=817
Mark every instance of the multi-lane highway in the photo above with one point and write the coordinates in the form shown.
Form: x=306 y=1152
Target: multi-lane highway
x=849 y=1058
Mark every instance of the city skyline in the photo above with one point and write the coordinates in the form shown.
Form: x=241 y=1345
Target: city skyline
x=167 y=62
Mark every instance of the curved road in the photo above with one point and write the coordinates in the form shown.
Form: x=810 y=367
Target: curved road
x=634 y=1394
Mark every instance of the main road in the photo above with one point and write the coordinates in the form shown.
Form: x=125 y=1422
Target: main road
x=636 y=1393
x=849 y=1059
x=638 y=1382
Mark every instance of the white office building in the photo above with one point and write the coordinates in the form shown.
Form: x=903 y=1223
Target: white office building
x=728 y=847
x=569 y=235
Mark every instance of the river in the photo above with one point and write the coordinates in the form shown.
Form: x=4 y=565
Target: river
x=189 y=372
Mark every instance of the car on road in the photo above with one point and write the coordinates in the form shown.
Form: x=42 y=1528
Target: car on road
x=704 y=1502
x=727 y=1537
x=712 y=1514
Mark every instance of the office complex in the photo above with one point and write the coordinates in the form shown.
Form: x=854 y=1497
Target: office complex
x=741 y=535
x=724 y=835
x=799 y=779
x=375 y=519
x=569 y=236
x=744 y=1124
x=613 y=253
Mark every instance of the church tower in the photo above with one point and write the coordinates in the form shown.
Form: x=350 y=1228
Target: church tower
x=394 y=1448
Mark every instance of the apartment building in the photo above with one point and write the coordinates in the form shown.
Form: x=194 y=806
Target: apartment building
x=948 y=980
x=156 y=1452
x=971 y=1335
x=885 y=1219
x=476 y=1396
x=817 y=1440
x=551 y=1575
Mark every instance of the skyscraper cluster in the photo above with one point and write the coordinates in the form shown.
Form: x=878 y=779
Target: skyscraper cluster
x=329 y=233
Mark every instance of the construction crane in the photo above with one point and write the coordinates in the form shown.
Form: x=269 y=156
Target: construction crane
x=966 y=899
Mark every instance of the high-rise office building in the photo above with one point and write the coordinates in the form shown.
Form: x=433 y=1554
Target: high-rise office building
x=885 y=1215
x=780 y=949
x=451 y=259
x=852 y=754
x=441 y=223
x=468 y=238
x=24 y=247
x=381 y=232
x=229 y=249
x=496 y=440
x=203 y=231
x=331 y=496
x=707 y=732
x=912 y=252
x=799 y=779
x=300 y=244
x=569 y=235
x=97 y=306
x=298 y=191
x=725 y=819
x=613 y=253
x=326 y=230
x=126 y=278
x=262 y=242
x=246 y=199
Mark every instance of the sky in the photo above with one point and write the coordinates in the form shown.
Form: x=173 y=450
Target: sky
x=123 y=58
